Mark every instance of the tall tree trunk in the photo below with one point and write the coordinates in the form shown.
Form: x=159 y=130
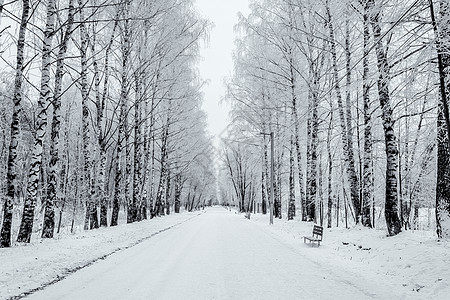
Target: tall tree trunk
x=291 y=208
x=91 y=220
x=443 y=121
x=266 y=173
x=65 y=168
x=122 y=117
x=26 y=225
x=368 y=182
x=152 y=179
x=296 y=130
x=177 y=196
x=49 y=215
x=163 y=176
x=167 y=197
x=346 y=134
x=313 y=141
x=101 y=166
x=263 y=173
x=138 y=143
x=263 y=193
x=118 y=175
x=131 y=208
x=417 y=190
x=101 y=140
x=277 y=172
x=391 y=202
x=330 y=169
x=5 y=236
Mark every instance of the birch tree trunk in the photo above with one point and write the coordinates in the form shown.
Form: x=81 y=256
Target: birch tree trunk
x=137 y=173
x=391 y=201
x=101 y=166
x=368 y=182
x=313 y=141
x=152 y=180
x=122 y=119
x=128 y=175
x=26 y=225
x=330 y=169
x=266 y=171
x=291 y=208
x=148 y=129
x=159 y=209
x=263 y=178
x=417 y=190
x=5 y=236
x=49 y=215
x=167 y=196
x=296 y=130
x=177 y=196
x=91 y=220
x=346 y=135
x=443 y=121
x=65 y=168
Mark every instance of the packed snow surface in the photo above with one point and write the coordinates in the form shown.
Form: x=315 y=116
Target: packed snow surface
x=218 y=254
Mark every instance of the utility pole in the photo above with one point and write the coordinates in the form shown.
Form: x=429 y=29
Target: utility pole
x=272 y=174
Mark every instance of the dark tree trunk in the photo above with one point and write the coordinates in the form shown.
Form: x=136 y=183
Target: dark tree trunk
x=313 y=141
x=442 y=31
x=346 y=132
x=26 y=226
x=159 y=207
x=5 y=236
x=291 y=208
x=391 y=201
x=330 y=170
x=49 y=215
x=177 y=196
x=368 y=182
x=122 y=120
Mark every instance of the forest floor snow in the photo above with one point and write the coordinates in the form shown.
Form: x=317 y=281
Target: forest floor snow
x=415 y=263
x=217 y=254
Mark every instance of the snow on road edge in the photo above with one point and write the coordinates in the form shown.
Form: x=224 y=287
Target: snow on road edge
x=413 y=264
x=28 y=268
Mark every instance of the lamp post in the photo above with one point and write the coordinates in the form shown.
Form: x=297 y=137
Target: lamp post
x=272 y=167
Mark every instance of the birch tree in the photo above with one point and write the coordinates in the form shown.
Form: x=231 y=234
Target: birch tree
x=49 y=216
x=26 y=226
x=11 y=175
x=391 y=144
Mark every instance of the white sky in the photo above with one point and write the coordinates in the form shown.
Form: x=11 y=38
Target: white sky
x=216 y=62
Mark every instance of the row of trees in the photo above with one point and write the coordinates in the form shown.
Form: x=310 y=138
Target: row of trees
x=104 y=112
x=350 y=91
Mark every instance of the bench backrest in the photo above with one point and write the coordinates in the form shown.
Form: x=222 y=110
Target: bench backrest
x=318 y=231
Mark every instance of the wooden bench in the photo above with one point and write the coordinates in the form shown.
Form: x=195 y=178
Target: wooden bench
x=316 y=235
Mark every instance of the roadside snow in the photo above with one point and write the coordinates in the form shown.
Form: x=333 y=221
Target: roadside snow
x=25 y=267
x=414 y=263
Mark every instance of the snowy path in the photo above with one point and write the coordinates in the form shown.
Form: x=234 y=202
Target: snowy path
x=218 y=255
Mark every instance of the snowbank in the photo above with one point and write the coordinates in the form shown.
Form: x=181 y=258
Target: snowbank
x=30 y=266
x=414 y=263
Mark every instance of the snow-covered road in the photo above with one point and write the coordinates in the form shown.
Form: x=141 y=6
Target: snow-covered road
x=217 y=255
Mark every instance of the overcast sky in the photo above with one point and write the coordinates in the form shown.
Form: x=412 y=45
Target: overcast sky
x=216 y=63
